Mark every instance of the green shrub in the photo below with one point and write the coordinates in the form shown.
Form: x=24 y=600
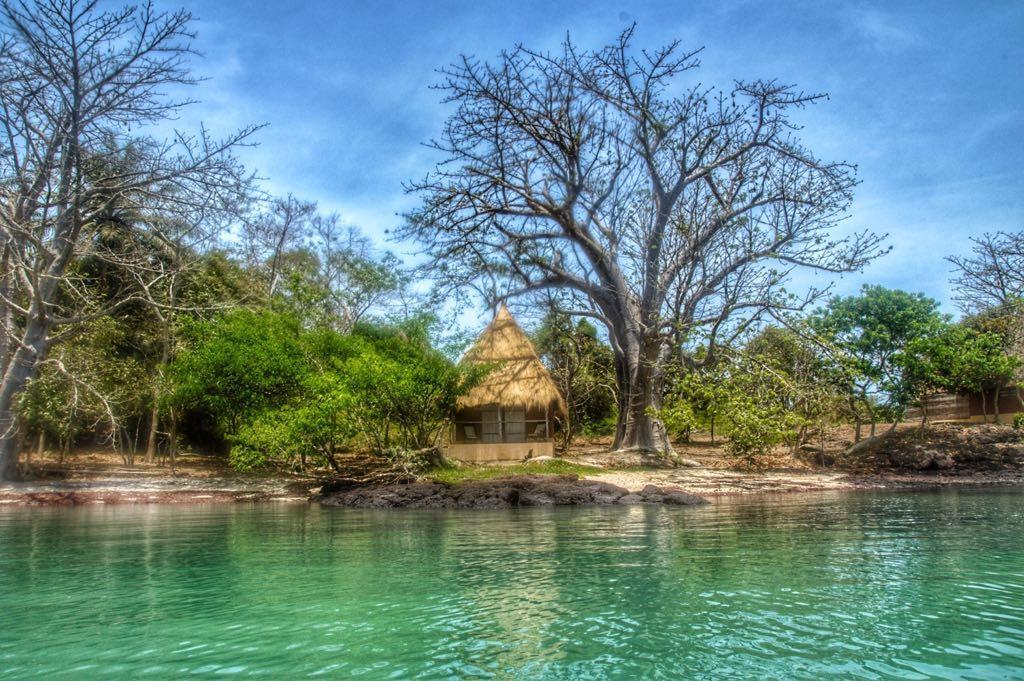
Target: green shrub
x=286 y=396
x=1018 y=421
x=755 y=429
x=601 y=428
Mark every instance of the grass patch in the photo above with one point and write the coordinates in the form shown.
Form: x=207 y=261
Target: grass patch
x=455 y=474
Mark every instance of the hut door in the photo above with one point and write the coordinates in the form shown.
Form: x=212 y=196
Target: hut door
x=490 y=426
x=515 y=425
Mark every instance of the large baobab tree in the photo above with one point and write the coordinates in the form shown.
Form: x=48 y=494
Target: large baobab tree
x=79 y=88
x=666 y=212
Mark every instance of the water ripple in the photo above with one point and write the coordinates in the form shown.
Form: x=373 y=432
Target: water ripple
x=857 y=585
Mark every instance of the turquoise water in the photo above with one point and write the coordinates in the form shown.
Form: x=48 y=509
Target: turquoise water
x=914 y=586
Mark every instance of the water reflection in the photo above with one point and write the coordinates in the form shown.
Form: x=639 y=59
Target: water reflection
x=905 y=585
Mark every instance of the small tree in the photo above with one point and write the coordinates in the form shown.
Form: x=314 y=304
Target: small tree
x=238 y=365
x=582 y=368
x=867 y=334
x=958 y=359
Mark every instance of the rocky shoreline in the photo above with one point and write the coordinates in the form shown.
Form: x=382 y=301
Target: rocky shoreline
x=504 y=492
x=665 y=486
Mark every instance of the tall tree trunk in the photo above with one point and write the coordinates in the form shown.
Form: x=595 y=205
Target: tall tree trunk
x=6 y=317
x=640 y=373
x=172 y=445
x=21 y=369
x=154 y=424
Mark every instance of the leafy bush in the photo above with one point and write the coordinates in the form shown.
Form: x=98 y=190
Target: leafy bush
x=292 y=396
x=756 y=428
x=601 y=428
x=1018 y=421
x=680 y=419
x=238 y=365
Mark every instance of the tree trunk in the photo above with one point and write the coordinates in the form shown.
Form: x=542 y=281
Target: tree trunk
x=21 y=369
x=154 y=424
x=172 y=445
x=995 y=403
x=640 y=376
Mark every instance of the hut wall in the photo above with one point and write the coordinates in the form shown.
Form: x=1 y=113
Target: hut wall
x=961 y=407
x=499 y=451
x=1008 y=403
x=494 y=424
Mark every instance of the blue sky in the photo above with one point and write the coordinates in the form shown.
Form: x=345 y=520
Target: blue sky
x=926 y=97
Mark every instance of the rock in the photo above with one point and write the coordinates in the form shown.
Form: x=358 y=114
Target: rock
x=943 y=462
x=680 y=497
x=1010 y=452
x=507 y=492
x=689 y=463
x=989 y=434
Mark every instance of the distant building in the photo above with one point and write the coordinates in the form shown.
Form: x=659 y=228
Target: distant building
x=511 y=415
x=971 y=407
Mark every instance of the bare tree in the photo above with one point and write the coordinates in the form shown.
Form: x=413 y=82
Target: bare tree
x=993 y=275
x=667 y=215
x=328 y=271
x=283 y=225
x=357 y=280
x=80 y=87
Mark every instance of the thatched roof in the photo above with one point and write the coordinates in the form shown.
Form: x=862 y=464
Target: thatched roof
x=519 y=378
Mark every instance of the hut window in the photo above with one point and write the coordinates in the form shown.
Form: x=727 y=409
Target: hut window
x=490 y=427
x=515 y=425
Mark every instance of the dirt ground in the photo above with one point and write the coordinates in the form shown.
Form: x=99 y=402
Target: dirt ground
x=948 y=455
x=102 y=477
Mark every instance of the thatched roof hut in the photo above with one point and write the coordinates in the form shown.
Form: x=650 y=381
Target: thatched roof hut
x=519 y=378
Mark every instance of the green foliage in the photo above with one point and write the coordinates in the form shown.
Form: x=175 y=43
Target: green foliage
x=451 y=475
x=238 y=365
x=404 y=390
x=316 y=425
x=583 y=368
x=288 y=395
x=695 y=399
x=958 y=358
x=86 y=386
x=756 y=427
x=868 y=334
x=762 y=395
x=1018 y=421
x=602 y=428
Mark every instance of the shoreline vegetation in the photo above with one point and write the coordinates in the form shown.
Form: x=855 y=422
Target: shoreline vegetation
x=950 y=455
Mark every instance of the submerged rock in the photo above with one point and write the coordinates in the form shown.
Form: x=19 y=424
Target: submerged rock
x=506 y=492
